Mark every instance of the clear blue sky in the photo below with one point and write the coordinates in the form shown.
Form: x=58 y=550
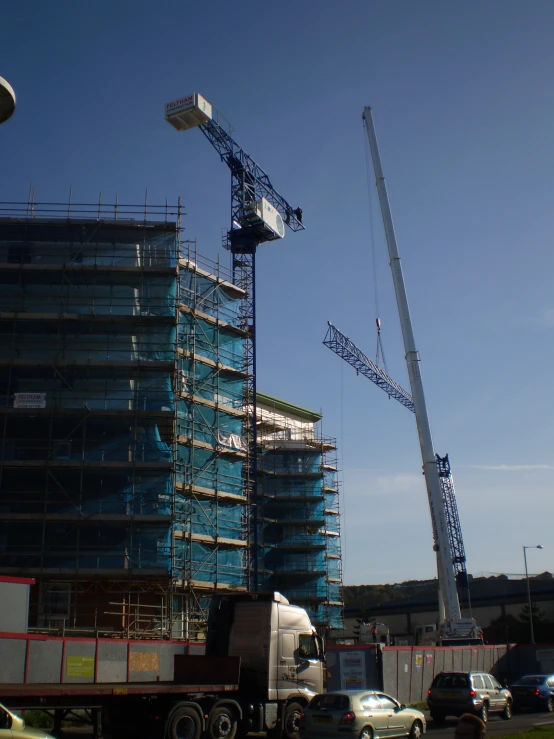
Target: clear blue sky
x=463 y=102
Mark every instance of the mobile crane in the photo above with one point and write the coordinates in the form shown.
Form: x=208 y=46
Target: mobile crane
x=453 y=628
x=345 y=348
x=258 y=214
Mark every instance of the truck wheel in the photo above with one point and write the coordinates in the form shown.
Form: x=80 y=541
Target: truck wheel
x=222 y=723
x=184 y=723
x=292 y=721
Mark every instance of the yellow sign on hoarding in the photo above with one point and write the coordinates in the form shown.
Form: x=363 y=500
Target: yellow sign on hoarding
x=79 y=666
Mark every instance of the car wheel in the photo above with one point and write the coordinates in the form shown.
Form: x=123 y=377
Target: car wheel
x=366 y=733
x=417 y=730
x=438 y=718
x=507 y=712
x=484 y=713
x=550 y=705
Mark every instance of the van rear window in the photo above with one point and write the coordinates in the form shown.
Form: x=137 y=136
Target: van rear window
x=447 y=680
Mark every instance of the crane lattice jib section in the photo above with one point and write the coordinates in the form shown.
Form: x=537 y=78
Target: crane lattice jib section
x=452 y=518
x=345 y=348
x=245 y=170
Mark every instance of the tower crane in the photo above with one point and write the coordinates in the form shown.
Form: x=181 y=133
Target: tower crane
x=453 y=627
x=347 y=350
x=258 y=214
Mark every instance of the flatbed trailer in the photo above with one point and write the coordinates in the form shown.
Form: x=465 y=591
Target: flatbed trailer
x=263 y=662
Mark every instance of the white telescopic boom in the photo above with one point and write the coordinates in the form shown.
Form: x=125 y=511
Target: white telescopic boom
x=447 y=580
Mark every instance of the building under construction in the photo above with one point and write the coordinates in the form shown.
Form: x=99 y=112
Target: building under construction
x=122 y=489
x=298 y=487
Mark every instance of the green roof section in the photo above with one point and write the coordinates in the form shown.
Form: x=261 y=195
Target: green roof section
x=288 y=408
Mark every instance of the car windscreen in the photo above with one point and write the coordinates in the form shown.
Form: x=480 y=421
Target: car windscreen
x=330 y=702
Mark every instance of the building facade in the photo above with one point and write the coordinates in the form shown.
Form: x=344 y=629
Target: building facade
x=299 y=530
x=122 y=472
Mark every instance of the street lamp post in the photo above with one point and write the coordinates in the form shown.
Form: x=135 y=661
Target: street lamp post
x=7 y=100
x=537 y=546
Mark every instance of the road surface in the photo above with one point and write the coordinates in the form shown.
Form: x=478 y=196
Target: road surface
x=495 y=725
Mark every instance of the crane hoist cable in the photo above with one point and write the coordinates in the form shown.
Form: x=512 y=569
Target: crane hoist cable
x=379 y=349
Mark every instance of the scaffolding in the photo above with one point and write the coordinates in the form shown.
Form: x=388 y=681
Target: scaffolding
x=121 y=373
x=299 y=529
x=124 y=417
x=212 y=538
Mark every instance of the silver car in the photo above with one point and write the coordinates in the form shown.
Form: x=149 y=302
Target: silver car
x=365 y=714
x=14 y=727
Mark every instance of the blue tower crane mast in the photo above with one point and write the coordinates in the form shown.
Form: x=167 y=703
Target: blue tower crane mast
x=258 y=214
x=347 y=350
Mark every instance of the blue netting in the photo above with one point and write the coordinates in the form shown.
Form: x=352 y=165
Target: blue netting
x=208 y=425
x=150 y=299
x=85 y=546
x=293 y=462
x=210 y=383
x=154 y=250
x=195 y=561
x=207 y=469
x=333 y=568
x=296 y=557
x=201 y=293
x=212 y=342
x=281 y=561
x=291 y=487
x=137 y=343
x=209 y=517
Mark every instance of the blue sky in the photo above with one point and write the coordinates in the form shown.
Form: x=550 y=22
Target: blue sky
x=463 y=104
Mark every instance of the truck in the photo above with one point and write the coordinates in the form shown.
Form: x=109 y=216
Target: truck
x=263 y=662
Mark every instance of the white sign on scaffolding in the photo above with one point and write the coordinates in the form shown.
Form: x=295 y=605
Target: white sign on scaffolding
x=29 y=400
